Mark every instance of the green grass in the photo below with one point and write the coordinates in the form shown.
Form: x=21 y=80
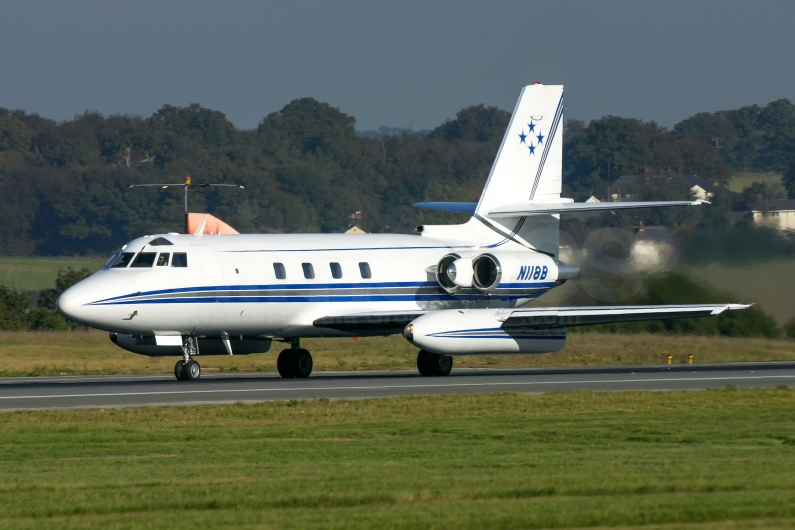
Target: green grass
x=40 y=273
x=714 y=459
x=69 y=353
x=741 y=181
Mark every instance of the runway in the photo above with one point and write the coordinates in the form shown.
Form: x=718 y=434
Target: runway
x=127 y=391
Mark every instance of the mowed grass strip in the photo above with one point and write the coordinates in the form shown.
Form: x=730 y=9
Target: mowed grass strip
x=70 y=353
x=34 y=273
x=712 y=459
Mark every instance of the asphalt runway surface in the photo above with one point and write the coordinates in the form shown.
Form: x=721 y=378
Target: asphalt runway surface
x=125 y=391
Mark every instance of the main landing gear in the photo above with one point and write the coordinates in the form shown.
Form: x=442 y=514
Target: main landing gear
x=430 y=364
x=294 y=362
x=187 y=369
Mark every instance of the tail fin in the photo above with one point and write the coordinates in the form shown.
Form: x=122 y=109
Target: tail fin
x=529 y=164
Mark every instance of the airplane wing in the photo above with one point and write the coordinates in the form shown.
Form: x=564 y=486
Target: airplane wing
x=584 y=316
x=389 y=322
x=375 y=323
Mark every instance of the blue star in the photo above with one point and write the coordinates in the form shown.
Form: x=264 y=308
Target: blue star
x=532 y=126
x=540 y=137
x=532 y=149
x=522 y=137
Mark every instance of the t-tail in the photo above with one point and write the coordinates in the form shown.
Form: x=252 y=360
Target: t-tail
x=521 y=199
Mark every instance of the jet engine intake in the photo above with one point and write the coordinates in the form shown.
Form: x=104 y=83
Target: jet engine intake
x=514 y=270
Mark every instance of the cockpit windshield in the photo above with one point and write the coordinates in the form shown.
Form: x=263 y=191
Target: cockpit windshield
x=144 y=259
x=121 y=260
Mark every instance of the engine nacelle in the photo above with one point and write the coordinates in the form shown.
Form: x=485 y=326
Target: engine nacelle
x=146 y=345
x=514 y=270
x=478 y=332
x=454 y=271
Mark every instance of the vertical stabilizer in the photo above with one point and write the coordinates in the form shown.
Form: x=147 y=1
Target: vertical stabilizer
x=529 y=164
x=528 y=167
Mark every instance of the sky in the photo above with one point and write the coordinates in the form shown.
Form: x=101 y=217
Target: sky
x=398 y=64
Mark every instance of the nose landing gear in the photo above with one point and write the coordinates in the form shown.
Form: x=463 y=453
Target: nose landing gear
x=430 y=364
x=187 y=369
x=294 y=362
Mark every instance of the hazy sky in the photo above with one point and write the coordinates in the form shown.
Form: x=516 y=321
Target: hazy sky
x=395 y=63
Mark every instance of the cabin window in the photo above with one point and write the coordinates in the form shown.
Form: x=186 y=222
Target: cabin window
x=123 y=259
x=278 y=268
x=309 y=271
x=144 y=259
x=180 y=259
x=336 y=270
x=364 y=268
x=162 y=259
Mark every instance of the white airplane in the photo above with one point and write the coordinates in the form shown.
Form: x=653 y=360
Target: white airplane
x=449 y=289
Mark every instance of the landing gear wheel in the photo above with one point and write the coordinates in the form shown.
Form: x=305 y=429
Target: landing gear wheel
x=430 y=364
x=442 y=365
x=191 y=370
x=300 y=363
x=283 y=364
x=424 y=363
x=178 y=370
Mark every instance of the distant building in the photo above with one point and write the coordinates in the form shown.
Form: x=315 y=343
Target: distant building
x=778 y=213
x=626 y=186
x=623 y=188
x=653 y=249
x=701 y=189
x=354 y=223
x=587 y=198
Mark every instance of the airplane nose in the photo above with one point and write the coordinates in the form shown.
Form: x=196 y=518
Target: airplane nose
x=68 y=303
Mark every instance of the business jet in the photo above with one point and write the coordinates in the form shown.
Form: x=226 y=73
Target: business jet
x=448 y=289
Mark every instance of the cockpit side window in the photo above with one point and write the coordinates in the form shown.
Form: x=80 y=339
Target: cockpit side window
x=122 y=260
x=180 y=259
x=144 y=259
x=162 y=259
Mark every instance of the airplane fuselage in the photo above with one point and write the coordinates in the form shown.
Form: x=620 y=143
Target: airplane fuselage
x=274 y=285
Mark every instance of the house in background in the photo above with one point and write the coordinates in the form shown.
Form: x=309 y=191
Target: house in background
x=778 y=213
x=653 y=249
x=624 y=188
x=355 y=224
x=701 y=189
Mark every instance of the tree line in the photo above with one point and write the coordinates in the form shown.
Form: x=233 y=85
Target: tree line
x=63 y=185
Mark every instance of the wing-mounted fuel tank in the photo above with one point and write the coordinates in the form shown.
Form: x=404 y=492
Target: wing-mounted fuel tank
x=480 y=331
x=146 y=345
x=494 y=272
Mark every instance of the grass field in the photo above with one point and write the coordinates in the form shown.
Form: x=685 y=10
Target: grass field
x=771 y=284
x=740 y=181
x=40 y=273
x=53 y=353
x=697 y=460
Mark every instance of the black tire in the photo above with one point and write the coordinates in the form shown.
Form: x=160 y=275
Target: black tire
x=442 y=365
x=283 y=364
x=178 y=370
x=192 y=371
x=301 y=363
x=424 y=363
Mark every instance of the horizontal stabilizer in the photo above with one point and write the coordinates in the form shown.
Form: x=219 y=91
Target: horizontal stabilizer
x=584 y=316
x=457 y=207
x=538 y=208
